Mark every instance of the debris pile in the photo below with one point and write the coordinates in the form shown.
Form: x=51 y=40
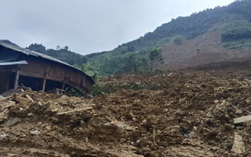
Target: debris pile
x=184 y=114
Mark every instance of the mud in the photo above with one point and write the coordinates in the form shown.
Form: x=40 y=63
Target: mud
x=177 y=114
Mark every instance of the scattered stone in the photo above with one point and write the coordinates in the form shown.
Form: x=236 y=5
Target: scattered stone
x=30 y=114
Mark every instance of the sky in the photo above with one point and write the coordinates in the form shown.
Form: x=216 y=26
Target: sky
x=88 y=26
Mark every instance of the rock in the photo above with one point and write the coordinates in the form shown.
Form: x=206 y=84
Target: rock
x=239 y=111
x=30 y=114
x=238 y=146
x=191 y=135
x=11 y=122
x=35 y=132
x=3 y=135
x=216 y=101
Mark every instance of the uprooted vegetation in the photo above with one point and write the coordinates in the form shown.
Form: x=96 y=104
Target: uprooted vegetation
x=186 y=114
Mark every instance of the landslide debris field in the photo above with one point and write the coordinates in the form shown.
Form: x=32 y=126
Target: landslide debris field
x=177 y=114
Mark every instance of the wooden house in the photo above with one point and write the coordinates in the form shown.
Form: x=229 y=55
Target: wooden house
x=22 y=67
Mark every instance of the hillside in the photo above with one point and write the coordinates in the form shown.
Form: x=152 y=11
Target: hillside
x=212 y=35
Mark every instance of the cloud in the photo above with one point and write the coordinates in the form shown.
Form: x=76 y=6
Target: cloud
x=90 y=25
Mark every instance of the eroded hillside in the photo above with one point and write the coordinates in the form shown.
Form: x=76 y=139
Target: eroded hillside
x=202 y=50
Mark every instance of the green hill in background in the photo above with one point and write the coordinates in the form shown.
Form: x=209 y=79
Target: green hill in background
x=212 y=34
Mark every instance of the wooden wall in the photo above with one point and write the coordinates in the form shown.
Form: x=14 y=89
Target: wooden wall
x=4 y=81
x=40 y=68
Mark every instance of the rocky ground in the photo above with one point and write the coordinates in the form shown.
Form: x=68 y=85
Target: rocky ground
x=178 y=114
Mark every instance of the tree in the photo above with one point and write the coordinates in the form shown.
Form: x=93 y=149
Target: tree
x=66 y=48
x=156 y=59
x=8 y=42
x=177 y=40
x=37 y=47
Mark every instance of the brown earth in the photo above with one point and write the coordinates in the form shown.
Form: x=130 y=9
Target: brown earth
x=204 y=49
x=177 y=114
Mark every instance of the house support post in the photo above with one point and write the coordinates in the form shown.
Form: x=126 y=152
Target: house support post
x=45 y=77
x=44 y=84
x=65 y=79
x=16 y=80
x=17 y=77
x=63 y=86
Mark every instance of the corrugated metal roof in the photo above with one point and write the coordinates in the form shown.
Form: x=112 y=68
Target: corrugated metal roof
x=37 y=54
x=13 y=63
x=31 y=53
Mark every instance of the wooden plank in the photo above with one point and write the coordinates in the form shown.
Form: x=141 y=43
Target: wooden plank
x=40 y=76
x=45 y=77
x=44 y=84
x=65 y=80
x=31 y=74
x=242 y=119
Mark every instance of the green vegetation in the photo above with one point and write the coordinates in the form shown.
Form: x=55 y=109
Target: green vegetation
x=241 y=8
x=237 y=34
x=237 y=30
x=177 y=40
x=136 y=53
x=129 y=62
x=88 y=69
